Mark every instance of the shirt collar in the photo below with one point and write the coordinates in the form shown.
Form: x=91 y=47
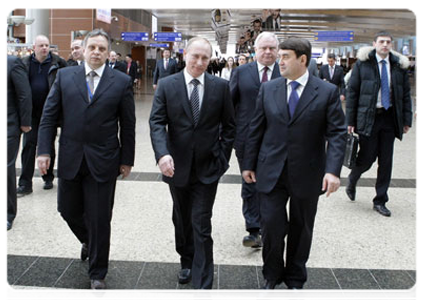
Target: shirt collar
x=99 y=71
x=188 y=77
x=379 y=59
x=260 y=67
x=302 y=80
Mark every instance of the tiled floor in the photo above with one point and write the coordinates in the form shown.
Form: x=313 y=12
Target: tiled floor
x=354 y=249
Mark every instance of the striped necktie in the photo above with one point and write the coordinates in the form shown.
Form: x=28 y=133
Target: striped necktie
x=195 y=101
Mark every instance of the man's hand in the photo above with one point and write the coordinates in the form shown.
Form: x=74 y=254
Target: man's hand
x=26 y=129
x=43 y=162
x=406 y=129
x=330 y=183
x=249 y=176
x=342 y=97
x=350 y=129
x=166 y=165
x=154 y=86
x=125 y=170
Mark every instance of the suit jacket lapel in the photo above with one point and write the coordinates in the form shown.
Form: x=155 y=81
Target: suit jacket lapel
x=79 y=78
x=308 y=94
x=254 y=73
x=208 y=86
x=181 y=91
x=276 y=73
x=106 y=81
x=279 y=94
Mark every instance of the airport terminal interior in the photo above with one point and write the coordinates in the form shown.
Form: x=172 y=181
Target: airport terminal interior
x=354 y=248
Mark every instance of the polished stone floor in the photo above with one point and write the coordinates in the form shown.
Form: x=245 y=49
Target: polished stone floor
x=354 y=248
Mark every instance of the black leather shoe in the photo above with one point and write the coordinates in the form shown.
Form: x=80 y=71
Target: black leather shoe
x=295 y=293
x=9 y=225
x=184 y=276
x=84 y=252
x=382 y=210
x=252 y=240
x=48 y=185
x=202 y=294
x=22 y=191
x=266 y=292
x=98 y=284
x=350 y=190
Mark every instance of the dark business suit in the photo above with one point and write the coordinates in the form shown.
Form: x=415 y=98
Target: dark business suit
x=244 y=85
x=19 y=111
x=161 y=72
x=337 y=78
x=117 y=65
x=132 y=70
x=290 y=156
x=201 y=154
x=90 y=153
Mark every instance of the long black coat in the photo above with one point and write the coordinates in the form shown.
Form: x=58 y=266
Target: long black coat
x=364 y=86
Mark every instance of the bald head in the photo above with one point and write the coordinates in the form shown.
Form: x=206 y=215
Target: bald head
x=41 y=47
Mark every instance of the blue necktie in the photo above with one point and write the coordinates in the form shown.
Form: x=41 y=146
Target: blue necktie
x=385 y=86
x=293 y=98
x=195 y=101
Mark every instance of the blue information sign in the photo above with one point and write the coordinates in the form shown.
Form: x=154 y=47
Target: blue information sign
x=159 y=45
x=168 y=36
x=334 y=36
x=134 y=36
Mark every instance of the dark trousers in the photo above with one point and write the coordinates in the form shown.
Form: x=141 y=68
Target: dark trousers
x=380 y=145
x=192 y=213
x=29 y=149
x=250 y=203
x=298 y=227
x=86 y=205
x=12 y=153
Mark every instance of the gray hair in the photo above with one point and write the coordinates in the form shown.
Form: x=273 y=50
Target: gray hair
x=98 y=32
x=265 y=34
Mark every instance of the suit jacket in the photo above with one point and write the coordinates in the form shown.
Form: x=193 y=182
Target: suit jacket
x=207 y=145
x=161 y=72
x=132 y=70
x=276 y=140
x=337 y=78
x=19 y=99
x=244 y=86
x=312 y=67
x=101 y=130
x=121 y=66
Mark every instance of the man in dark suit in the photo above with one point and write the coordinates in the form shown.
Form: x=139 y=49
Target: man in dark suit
x=77 y=52
x=97 y=143
x=333 y=74
x=192 y=130
x=379 y=109
x=19 y=111
x=164 y=67
x=294 y=152
x=131 y=68
x=244 y=85
x=113 y=63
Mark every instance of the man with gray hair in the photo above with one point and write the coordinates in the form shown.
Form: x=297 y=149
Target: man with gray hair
x=244 y=86
x=41 y=67
x=97 y=143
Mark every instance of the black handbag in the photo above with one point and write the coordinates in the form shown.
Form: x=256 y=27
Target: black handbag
x=351 y=151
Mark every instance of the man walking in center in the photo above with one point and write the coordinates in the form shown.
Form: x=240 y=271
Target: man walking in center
x=244 y=85
x=379 y=109
x=192 y=130
x=97 y=142
x=294 y=151
x=164 y=67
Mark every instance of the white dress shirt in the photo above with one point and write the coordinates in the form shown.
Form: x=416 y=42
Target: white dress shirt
x=302 y=81
x=97 y=78
x=388 y=69
x=190 y=86
x=261 y=71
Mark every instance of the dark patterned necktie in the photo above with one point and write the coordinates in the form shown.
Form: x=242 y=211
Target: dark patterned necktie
x=195 y=101
x=293 y=98
x=385 y=93
x=264 y=77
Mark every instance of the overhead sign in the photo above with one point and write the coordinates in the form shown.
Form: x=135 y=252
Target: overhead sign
x=167 y=36
x=104 y=15
x=334 y=36
x=134 y=36
x=159 y=45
